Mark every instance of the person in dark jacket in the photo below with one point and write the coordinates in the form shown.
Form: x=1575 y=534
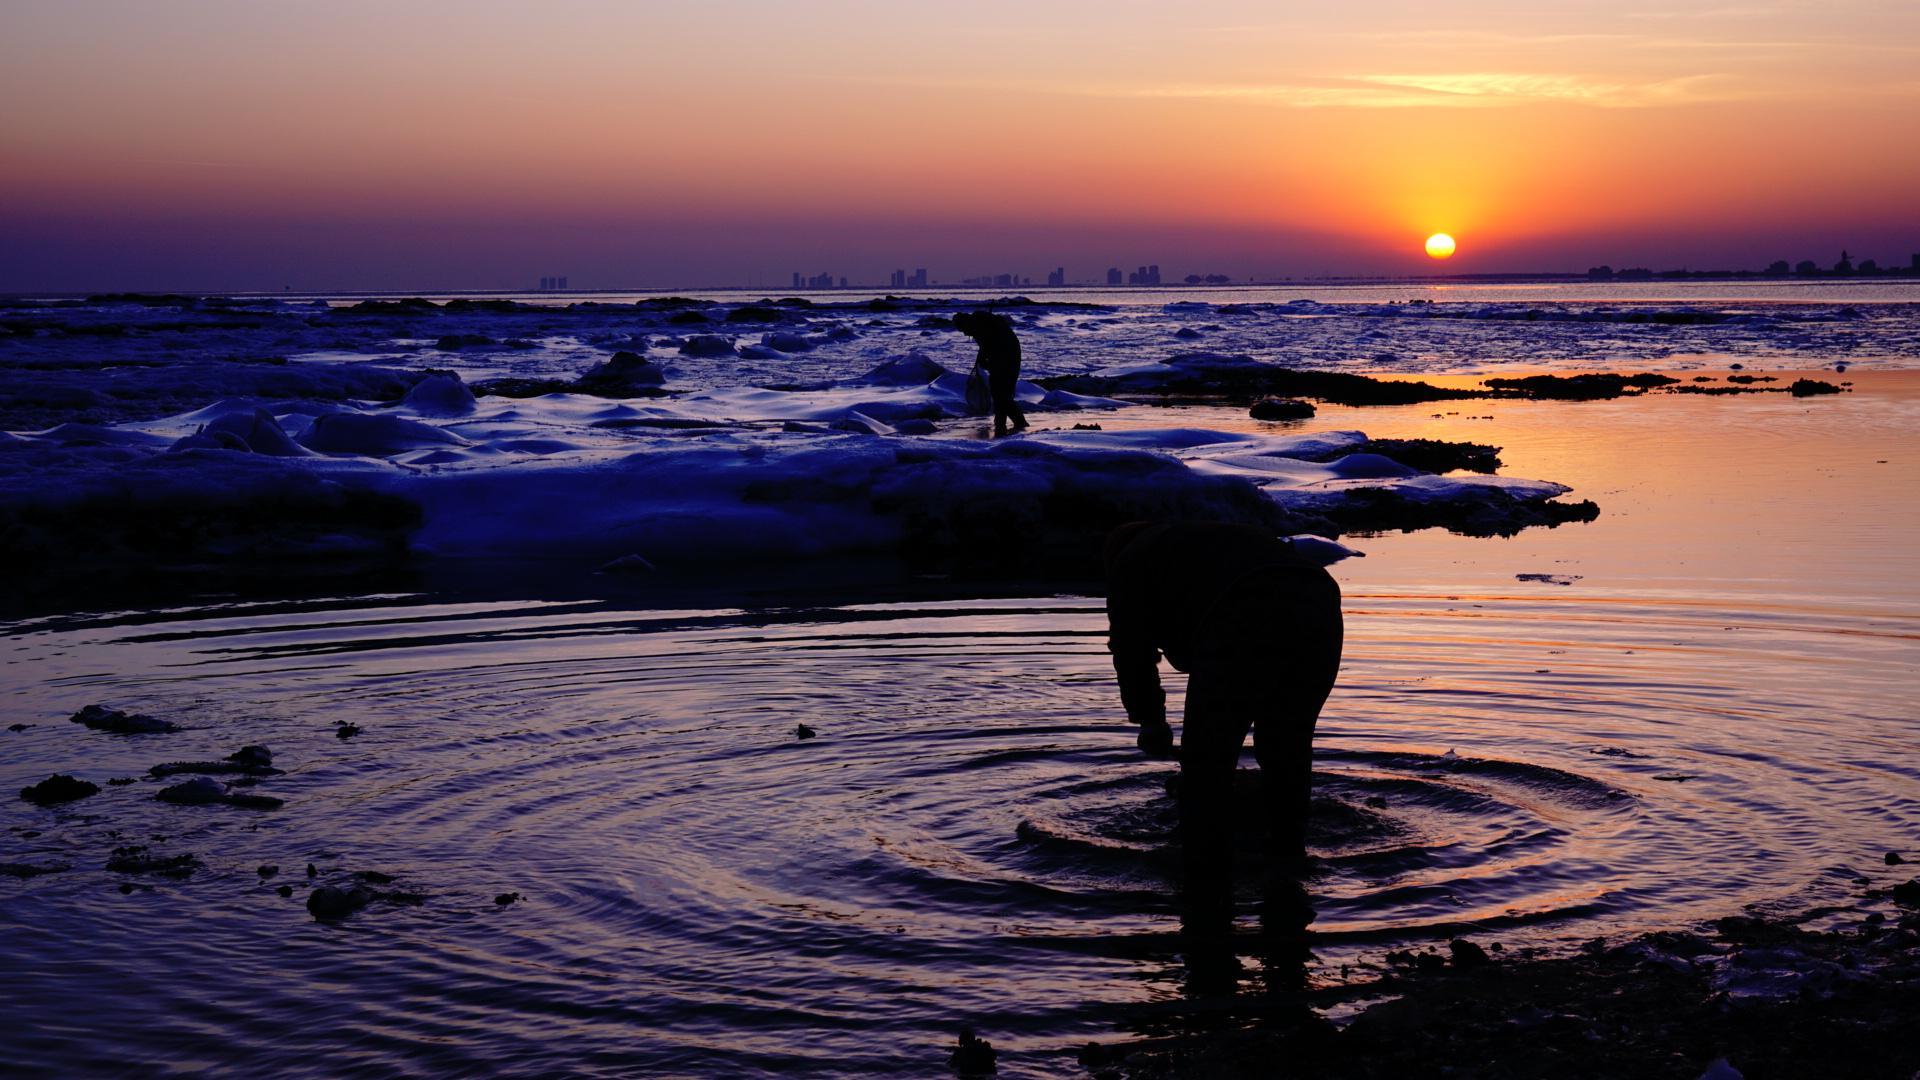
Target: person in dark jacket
x=1255 y=623
x=1000 y=356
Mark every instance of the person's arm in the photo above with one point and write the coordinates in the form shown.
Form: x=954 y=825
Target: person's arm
x=1136 y=664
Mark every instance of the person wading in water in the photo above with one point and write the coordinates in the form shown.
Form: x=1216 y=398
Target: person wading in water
x=1000 y=356
x=1255 y=623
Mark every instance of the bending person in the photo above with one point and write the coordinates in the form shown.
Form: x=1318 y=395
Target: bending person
x=1256 y=625
x=1000 y=356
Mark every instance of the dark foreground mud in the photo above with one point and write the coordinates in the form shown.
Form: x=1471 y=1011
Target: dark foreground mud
x=1763 y=998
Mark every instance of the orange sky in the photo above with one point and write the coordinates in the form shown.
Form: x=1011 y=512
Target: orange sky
x=332 y=144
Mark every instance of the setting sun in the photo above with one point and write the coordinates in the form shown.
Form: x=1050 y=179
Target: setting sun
x=1440 y=246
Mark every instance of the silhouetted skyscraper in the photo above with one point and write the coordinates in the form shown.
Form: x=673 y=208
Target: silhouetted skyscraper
x=1058 y=277
x=919 y=280
x=1114 y=276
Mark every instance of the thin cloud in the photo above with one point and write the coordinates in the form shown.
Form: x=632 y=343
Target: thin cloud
x=1463 y=90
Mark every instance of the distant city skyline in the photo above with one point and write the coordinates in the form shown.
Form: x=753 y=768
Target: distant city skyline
x=212 y=145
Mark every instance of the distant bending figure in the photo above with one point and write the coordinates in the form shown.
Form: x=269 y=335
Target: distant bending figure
x=1000 y=356
x=1256 y=626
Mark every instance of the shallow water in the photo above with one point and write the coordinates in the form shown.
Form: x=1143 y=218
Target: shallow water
x=1715 y=712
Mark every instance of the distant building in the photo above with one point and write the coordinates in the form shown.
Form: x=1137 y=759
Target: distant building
x=1806 y=266
x=563 y=281
x=1115 y=277
x=1600 y=273
x=546 y=283
x=1778 y=268
x=919 y=278
x=1058 y=277
x=1845 y=265
x=796 y=280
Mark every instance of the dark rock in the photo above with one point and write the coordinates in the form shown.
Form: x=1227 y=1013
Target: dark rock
x=373 y=877
x=138 y=860
x=972 y=1055
x=1589 y=387
x=28 y=870
x=1812 y=387
x=206 y=791
x=1907 y=893
x=1186 y=333
x=1429 y=961
x=624 y=374
x=802 y=731
x=332 y=902
x=456 y=342
x=249 y=761
x=312 y=871
x=689 y=318
x=1894 y=859
x=122 y=781
x=1281 y=409
x=755 y=314
x=1088 y=427
x=58 y=788
x=1428 y=455
x=707 y=345
x=285 y=890
x=787 y=342
x=345 y=730
x=18 y=727
x=506 y=898
x=101 y=718
x=1194 y=375
x=126 y=888
x=267 y=871
x=1467 y=954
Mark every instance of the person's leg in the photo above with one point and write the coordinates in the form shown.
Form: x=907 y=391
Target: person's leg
x=1215 y=725
x=1001 y=382
x=1305 y=639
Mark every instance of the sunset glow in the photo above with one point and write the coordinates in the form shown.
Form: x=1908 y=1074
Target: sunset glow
x=1440 y=246
x=215 y=143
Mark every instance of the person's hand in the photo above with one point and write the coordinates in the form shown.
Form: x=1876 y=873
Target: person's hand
x=1156 y=740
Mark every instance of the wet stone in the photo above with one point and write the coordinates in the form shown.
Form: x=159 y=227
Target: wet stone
x=101 y=718
x=1467 y=954
x=506 y=898
x=333 y=902
x=345 y=730
x=802 y=731
x=30 y=870
x=206 y=791
x=137 y=859
x=58 y=788
x=1281 y=409
x=972 y=1055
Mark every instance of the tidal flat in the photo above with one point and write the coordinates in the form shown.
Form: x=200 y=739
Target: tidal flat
x=561 y=793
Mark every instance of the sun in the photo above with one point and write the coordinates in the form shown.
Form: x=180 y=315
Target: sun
x=1440 y=246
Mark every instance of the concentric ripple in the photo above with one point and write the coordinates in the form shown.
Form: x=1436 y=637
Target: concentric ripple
x=970 y=837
